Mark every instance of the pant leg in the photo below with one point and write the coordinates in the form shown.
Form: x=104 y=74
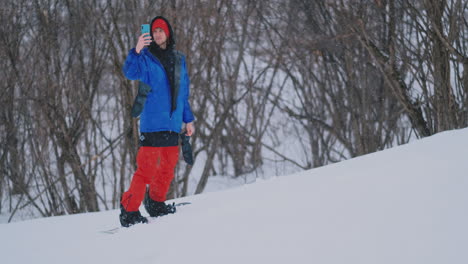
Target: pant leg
x=146 y=167
x=161 y=181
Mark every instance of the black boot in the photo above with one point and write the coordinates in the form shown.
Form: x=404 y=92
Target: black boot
x=130 y=218
x=155 y=208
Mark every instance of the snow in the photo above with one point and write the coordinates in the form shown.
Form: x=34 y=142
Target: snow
x=408 y=204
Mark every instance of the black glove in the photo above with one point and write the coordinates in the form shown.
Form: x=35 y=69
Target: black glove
x=186 y=148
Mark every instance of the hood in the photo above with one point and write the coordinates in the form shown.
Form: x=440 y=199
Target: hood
x=171 y=41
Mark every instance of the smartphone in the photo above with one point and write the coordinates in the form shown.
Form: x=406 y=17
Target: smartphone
x=145 y=28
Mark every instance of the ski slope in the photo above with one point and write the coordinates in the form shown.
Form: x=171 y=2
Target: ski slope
x=408 y=204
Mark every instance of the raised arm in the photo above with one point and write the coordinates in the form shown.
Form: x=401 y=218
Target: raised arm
x=133 y=64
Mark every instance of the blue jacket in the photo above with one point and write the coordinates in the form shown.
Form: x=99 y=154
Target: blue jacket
x=156 y=115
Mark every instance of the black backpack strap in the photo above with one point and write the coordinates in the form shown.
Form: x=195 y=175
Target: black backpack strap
x=143 y=91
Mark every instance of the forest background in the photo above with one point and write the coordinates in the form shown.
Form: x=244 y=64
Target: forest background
x=276 y=87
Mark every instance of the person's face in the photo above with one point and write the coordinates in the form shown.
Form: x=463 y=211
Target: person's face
x=159 y=36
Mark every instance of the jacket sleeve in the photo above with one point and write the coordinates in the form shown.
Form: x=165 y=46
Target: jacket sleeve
x=132 y=68
x=187 y=116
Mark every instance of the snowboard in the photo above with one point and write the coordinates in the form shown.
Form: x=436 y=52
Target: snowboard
x=150 y=220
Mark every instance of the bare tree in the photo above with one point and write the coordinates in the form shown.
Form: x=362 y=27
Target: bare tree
x=421 y=51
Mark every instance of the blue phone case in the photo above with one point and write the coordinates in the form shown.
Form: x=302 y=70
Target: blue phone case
x=145 y=28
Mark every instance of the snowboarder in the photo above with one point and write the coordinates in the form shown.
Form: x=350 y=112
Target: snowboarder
x=163 y=104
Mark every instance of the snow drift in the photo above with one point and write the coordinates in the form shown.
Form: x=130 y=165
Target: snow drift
x=408 y=204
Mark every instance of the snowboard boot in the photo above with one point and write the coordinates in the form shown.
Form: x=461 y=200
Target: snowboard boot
x=130 y=218
x=155 y=208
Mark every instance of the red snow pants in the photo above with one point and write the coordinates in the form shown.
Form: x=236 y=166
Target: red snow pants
x=155 y=166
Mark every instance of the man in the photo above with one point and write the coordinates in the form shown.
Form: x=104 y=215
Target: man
x=163 y=104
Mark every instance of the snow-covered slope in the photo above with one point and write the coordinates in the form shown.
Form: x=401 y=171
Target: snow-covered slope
x=404 y=205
